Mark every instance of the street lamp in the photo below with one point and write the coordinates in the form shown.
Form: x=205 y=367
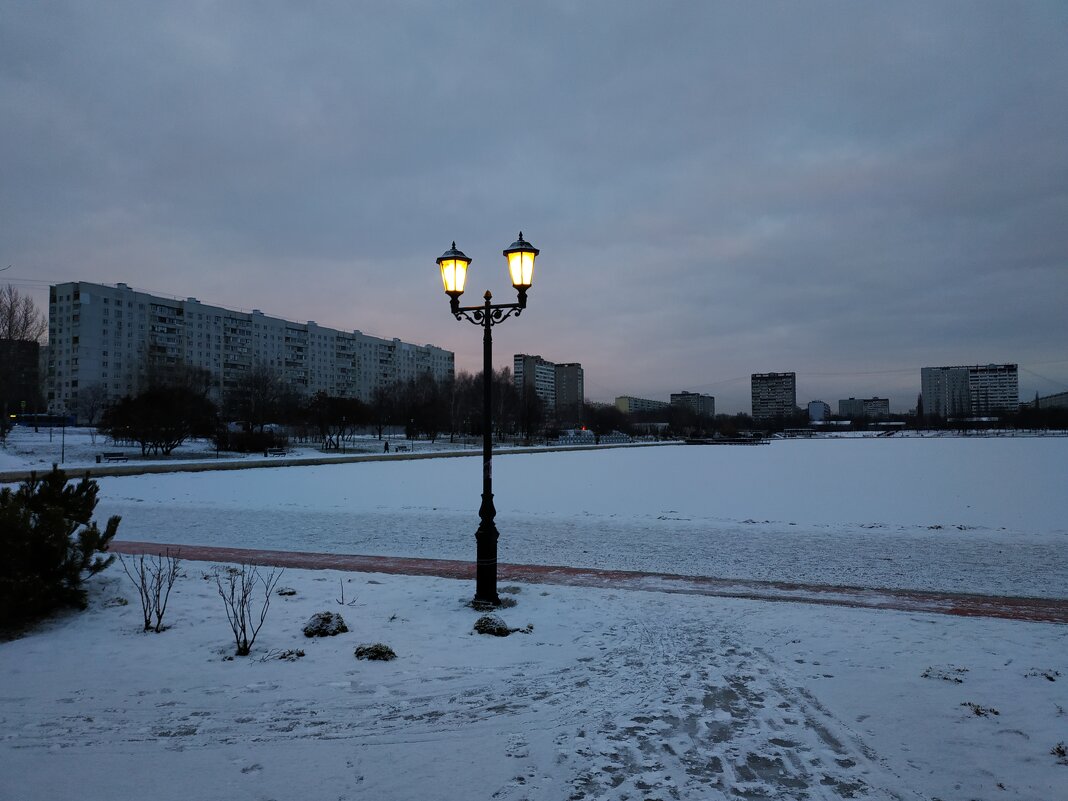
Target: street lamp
x=453 y=263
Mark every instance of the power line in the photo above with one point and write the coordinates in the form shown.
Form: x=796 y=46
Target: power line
x=898 y=370
x=1046 y=377
x=722 y=381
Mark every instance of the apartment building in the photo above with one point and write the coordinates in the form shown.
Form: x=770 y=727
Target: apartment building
x=858 y=408
x=1058 y=400
x=628 y=404
x=110 y=335
x=818 y=411
x=969 y=390
x=534 y=372
x=570 y=392
x=559 y=386
x=774 y=395
x=702 y=405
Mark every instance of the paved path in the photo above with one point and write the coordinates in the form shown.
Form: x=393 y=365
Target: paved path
x=1044 y=610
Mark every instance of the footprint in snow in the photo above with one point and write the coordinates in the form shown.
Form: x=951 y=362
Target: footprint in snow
x=517 y=746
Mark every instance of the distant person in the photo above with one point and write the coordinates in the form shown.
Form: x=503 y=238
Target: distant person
x=387 y=447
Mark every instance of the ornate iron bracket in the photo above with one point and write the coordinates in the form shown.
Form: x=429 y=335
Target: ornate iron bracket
x=497 y=314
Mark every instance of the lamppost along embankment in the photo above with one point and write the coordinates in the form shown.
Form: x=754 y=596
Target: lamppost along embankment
x=454 y=264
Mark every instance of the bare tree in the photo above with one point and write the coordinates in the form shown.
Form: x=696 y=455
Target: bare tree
x=91 y=402
x=19 y=316
x=256 y=397
x=237 y=588
x=154 y=581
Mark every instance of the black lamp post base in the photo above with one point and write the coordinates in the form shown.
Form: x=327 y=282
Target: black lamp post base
x=486 y=567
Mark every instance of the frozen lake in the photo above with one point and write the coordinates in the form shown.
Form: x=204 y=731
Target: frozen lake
x=983 y=515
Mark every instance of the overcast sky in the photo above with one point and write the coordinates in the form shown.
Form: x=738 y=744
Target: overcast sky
x=850 y=191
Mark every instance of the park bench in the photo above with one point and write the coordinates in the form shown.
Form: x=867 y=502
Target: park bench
x=112 y=456
x=275 y=452
x=400 y=448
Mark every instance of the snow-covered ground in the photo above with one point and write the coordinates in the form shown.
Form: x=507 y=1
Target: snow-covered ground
x=967 y=515
x=78 y=446
x=615 y=694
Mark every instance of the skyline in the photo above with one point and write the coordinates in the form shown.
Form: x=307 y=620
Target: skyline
x=258 y=314
x=845 y=192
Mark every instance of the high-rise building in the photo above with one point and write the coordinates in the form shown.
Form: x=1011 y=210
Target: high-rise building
x=945 y=391
x=702 y=405
x=994 y=388
x=110 y=335
x=774 y=395
x=570 y=392
x=559 y=386
x=534 y=372
x=969 y=390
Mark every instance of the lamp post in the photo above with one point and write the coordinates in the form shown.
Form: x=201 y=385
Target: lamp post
x=454 y=264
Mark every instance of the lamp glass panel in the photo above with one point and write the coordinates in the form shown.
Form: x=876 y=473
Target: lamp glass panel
x=521 y=267
x=454 y=274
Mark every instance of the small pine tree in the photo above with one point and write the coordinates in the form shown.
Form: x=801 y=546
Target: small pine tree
x=49 y=544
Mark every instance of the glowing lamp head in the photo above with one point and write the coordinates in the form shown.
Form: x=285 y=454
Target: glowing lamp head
x=521 y=255
x=453 y=264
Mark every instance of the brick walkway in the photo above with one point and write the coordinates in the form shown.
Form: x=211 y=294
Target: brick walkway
x=1044 y=610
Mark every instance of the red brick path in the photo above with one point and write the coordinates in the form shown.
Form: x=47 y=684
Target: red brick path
x=1045 y=610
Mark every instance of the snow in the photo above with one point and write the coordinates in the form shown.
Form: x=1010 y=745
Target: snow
x=615 y=693
x=967 y=515
x=78 y=446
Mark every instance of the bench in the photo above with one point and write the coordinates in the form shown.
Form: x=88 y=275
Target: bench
x=275 y=452
x=112 y=456
x=400 y=448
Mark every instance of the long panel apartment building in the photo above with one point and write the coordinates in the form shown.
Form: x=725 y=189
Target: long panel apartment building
x=629 y=404
x=109 y=335
x=969 y=390
x=859 y=408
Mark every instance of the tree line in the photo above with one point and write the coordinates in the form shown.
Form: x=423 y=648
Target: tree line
x=262 y=410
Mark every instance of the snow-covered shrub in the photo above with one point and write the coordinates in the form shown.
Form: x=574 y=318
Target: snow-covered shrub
x=492 y=624
x=378 y=652
x=49 y=543
x=325 y=624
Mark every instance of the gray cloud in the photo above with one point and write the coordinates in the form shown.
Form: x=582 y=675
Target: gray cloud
x=843 y=190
